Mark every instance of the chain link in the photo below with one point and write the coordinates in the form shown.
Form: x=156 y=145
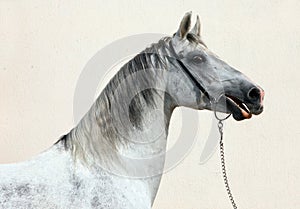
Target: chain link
x=224 y=172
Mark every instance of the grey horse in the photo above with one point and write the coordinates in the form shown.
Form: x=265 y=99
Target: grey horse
x=114 y=157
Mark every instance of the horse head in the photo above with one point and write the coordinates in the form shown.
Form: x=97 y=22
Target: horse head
x=217 y=85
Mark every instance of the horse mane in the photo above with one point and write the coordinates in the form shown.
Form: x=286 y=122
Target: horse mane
x=96 y=136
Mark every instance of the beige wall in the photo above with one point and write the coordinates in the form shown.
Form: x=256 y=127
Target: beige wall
x=45 y=45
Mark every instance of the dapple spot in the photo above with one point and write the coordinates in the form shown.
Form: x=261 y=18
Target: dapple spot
x=23 y=190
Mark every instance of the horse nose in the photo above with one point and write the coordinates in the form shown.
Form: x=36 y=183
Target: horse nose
x=256 y=94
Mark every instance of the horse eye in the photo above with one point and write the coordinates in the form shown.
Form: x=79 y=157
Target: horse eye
x=198 y=59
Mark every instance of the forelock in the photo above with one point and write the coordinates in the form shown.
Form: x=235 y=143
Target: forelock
x=195 y=39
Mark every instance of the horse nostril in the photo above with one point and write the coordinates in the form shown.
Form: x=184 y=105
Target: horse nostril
x=254 y=93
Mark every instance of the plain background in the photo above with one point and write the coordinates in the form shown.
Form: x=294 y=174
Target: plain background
x=44 y=45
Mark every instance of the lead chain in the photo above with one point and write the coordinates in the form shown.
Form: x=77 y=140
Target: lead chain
x=220 y=126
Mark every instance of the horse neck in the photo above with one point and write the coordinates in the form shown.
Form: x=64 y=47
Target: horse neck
x=129 y=120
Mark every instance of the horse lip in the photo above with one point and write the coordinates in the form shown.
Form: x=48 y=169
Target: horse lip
x=240 y=106
x=258 y=110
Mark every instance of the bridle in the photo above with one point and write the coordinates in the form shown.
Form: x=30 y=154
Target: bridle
x=189 y=74
x=214 y=101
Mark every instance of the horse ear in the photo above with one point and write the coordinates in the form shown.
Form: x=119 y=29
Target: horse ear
x=184 y=25
x=197 y=28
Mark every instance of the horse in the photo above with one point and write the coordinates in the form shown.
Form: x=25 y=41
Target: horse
x=114 y=157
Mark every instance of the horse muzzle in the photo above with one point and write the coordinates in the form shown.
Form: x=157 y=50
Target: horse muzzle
x=244 y=108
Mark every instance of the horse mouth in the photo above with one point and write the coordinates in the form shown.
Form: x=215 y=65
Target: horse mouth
x=238 y=108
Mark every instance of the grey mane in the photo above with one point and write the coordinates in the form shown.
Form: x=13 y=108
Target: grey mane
x=96 y=133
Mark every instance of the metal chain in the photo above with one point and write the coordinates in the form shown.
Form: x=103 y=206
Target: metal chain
x=222 y=155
